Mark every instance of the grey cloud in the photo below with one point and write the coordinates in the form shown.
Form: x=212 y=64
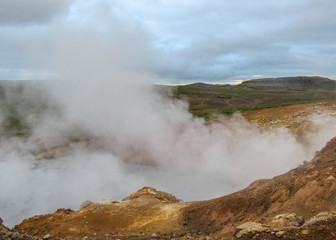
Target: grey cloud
x=204 y=40
x=15 y=48
x=223 y=40
x=22 y=48
x=30 y=11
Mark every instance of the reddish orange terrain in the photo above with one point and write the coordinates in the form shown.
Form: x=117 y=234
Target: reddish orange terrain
x=299 y=204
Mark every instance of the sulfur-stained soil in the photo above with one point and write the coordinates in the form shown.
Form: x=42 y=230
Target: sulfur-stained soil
x=296 y=117
x=150 y=214
x=144 y=214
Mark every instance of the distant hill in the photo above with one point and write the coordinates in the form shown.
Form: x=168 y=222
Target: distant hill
x=208 y=100
x=300 y=82
x=206 y=85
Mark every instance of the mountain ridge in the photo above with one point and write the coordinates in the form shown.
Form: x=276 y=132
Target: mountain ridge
x=305 y=81
x=298 y=82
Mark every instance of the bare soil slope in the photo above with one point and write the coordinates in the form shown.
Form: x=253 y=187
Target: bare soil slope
x=305 y=191
x=296 y=117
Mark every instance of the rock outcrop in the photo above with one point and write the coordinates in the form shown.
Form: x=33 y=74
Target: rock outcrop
x=147 y=213
x=9 y=234
x=321 y=226
x=250 y=228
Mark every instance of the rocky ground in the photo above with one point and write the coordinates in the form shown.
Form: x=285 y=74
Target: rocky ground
x=9 y=234
x=299 y=204
x=304 y=191
x=147 y=213
x=321 y=226
x=296 y=118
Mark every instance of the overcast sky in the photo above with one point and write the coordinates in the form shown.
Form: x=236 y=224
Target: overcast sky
x=175 y=40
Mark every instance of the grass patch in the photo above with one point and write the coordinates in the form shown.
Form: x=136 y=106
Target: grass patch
x=207 y=101
x=199 y=107
x=229 y=95
x=14 y=123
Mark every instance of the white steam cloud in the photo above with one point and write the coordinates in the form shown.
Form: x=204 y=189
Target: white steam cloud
x=142 y=138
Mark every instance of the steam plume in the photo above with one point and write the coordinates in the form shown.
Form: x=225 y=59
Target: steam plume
x=143 y=138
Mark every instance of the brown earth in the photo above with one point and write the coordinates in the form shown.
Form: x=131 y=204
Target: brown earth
x=150 y=214
x=296 y=118
x=144 y=214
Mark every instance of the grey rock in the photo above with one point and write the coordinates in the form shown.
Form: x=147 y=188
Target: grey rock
x=293 y=224
x=280 y=234
x=250 y=227
x=322 y=214
x=283 y=220
x=8 y=234
x=46 y=236
x=319 y=217
x=300 y=220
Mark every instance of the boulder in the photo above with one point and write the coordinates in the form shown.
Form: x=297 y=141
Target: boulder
x=319 y=217
x=280 y=234
x=148 y=192
x=287 y=220
x=250 y=227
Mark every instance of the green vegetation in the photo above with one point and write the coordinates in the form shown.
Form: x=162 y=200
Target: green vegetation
x=209 y=101
x=168 y=196
x=229 y=95
x=20 y=101
x=14 y=123
x=199 y=107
